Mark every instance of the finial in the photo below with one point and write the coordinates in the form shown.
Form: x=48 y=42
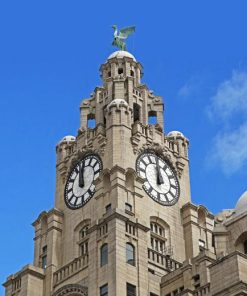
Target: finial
x=121 y=35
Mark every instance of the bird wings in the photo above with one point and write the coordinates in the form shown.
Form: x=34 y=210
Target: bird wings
x=124 y=33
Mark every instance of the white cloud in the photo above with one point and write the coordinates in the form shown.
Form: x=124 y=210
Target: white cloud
x=191 y=87
x=230 y=150
x=229 y=147
x=231 y=97
x=186 y=90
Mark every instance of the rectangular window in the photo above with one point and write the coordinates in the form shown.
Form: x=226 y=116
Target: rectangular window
x=131 y=290
x=108 y=208
x=44 y=261
x=104 y=255
x=104 y=290
x=128 y=207
x=202 y=244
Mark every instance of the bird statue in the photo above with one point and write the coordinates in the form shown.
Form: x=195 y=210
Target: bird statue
x=121 y=35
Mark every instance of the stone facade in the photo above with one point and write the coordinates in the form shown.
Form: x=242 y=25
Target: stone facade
x=177 y=250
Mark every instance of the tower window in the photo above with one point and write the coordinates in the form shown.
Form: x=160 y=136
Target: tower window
x=136 y=108
x=109 y=74
x=202 y=244
x=44 y=257
x=91 y=122
x=104 y=255
x=44 y=261
x=130 y=254
x=245 y=247
x=131 y=290
x=120 y=71
x=108 y=208
x=128 y=207
x=132 y=73
x=104 y=290
x=152 y=117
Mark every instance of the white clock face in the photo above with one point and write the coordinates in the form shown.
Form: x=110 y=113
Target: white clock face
x=80 y=187
x=160 y=181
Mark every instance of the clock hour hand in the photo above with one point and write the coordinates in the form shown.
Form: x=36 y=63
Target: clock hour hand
x=159 y=176
x=81 y=174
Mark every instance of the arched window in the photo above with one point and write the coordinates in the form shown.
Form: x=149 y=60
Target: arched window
x=245 y=247
x=130 y=254
x=160 y=237
x=104 y=255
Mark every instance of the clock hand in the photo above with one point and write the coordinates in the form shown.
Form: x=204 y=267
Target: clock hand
x=81 y=174
x=159 y=176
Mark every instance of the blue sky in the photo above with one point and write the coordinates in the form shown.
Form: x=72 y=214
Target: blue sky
x=194 y=54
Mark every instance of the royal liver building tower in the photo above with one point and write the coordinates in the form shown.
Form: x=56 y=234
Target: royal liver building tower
x=123 y=223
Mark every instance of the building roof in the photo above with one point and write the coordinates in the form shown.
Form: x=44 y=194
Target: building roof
x=121 y=54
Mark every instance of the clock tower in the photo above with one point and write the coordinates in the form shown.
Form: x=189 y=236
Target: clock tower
x=121 y=182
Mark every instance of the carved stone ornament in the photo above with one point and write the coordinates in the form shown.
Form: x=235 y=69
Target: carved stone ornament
x=156 y=147
x=159 y=150
x=72 y=290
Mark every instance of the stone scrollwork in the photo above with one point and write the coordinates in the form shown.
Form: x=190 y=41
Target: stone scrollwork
x=72 y=290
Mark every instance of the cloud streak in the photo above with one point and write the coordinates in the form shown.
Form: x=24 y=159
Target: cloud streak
x=229 y=147
x=191 y=87
x=229 y=150
x=231 y=97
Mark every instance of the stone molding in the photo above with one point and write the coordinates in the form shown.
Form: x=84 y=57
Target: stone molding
x=72 y=290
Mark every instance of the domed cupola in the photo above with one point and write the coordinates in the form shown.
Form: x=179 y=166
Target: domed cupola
x=121 y=65
x=241 y=205
x=120 y=54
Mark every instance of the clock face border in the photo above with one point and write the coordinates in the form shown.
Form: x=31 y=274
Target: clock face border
x=91 y=193
x=153 y=153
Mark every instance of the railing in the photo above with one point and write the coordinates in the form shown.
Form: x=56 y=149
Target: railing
x=164 y=261
x=204 y=290
x=16 y=284
x=137 y=93
x=70 y=269
x=143 y=129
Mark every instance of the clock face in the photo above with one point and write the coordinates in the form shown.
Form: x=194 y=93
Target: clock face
x=161 y=183
x=80 y=187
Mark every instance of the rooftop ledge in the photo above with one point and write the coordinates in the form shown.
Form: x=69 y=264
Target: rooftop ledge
x=27 y=269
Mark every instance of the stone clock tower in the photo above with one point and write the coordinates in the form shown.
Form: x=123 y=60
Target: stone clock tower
x=121 y=183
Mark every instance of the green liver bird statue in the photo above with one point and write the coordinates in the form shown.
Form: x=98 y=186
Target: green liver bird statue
x=120 y=36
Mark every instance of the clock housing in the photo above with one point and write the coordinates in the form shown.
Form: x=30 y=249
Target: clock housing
x=80 y=187
x=160 y=180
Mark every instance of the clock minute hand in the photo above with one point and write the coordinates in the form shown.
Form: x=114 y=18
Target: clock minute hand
x=159 y=176
x=81 y=174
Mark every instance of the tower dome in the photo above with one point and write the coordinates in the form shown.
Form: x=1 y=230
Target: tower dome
x=241 y=205
x=68 y=138
x=119 y=54
x=175 y=134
